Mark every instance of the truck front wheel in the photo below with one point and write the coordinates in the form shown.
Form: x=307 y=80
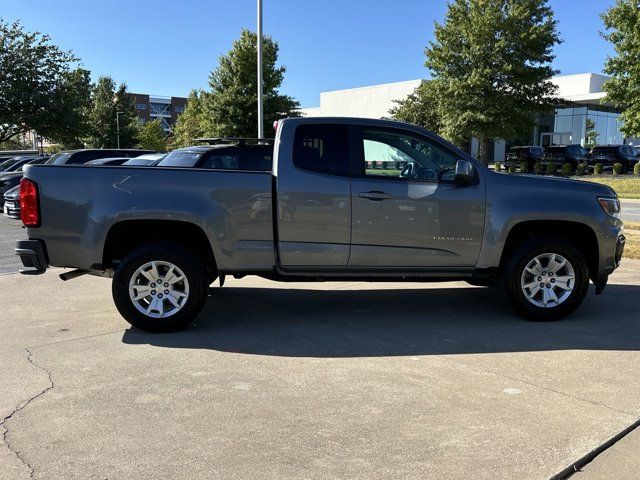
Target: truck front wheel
x=160 y=287
x=546 y=279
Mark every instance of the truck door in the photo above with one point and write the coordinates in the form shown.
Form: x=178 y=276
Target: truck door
x=314 y=196
x=407 y=210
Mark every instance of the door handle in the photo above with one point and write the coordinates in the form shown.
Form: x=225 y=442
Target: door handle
x=375 y=196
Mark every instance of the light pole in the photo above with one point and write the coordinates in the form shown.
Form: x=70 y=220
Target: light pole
x=118 y=127
x=260 y=112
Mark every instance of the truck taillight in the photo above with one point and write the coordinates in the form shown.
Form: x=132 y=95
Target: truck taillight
x=29 y=209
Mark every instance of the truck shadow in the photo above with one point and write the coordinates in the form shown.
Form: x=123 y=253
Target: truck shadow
x=396 y=322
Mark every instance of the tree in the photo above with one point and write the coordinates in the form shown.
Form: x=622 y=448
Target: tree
x=421 y=107
x=74 y=95
x=153 y=137
x=15 y=143
x=622 y=22
x=492 y=63
x=106 y=102
x=190 y=123
x=230 y=109
x=39 y=86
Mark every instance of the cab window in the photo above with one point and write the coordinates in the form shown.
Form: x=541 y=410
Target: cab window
x=401 y=155
x=322 y=148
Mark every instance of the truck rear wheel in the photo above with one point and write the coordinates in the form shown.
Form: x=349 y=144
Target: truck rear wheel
x=160 y=287
x=546 y=279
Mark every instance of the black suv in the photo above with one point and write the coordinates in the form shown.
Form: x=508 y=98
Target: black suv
x=80 y=157
x=607 y=155
x=530 y=154
x=561 y=154
x=224 y=154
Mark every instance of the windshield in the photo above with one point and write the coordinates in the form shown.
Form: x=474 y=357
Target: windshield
x=139 y=161
x=58 y=159
x=181 y=158
x=8 y=163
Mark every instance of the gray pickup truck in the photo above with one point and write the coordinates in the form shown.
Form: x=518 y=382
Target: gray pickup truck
x=345 y=199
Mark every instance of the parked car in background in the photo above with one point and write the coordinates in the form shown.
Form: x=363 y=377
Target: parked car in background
x=11 y=203
x=8 y=180
x=13 y=163
x=529 y=153
x=9 y=154
x=109 y=161
x=561 y=154
x=607 y=155
x=147 y=160
x=79 y=157
x=224 y=154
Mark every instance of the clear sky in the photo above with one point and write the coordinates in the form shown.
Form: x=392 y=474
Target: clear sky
x=168 y=47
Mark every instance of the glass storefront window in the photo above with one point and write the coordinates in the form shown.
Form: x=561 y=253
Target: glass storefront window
x=563 y=124
x=587 y=125
x=567 y=111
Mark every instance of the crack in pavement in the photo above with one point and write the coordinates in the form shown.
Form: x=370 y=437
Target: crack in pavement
x=22 y=406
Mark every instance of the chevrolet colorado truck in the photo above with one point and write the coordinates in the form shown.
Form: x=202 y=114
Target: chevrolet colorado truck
x=345 y=199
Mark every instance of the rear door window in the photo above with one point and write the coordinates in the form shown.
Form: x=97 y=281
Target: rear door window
x=259 y=158
x=322 y=148
x=221 y=159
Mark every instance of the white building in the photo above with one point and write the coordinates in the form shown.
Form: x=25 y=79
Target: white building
x=584 y=120
x=364 y=102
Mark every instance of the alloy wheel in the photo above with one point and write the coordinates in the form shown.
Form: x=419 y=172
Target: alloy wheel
x=548 y=280
x=159 y=289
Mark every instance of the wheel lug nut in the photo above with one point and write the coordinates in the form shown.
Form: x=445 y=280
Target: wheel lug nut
x=159 y=295
x=553 y=280
x=166 y=284
x=541 y=285
x=544 y=273
x=166 y=292
x=548 y=286
x=153 y=285
x=153 y=292
x=539 y=279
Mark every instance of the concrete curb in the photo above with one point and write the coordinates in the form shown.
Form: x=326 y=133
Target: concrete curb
x=589 y=457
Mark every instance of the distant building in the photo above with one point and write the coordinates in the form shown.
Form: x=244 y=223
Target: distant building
x=165 y=109
x=365 y=102
x=583 y=120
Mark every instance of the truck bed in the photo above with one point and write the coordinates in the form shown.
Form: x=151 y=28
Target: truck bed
x=80 y=204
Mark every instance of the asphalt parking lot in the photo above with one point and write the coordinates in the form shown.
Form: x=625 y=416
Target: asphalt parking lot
x=10 y=231
x=327 y=380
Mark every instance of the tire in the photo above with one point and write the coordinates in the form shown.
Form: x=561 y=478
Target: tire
x=569 y=293
x=177 y=304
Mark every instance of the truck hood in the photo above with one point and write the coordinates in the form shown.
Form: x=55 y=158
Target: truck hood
x=556 y=183
x=13 y=194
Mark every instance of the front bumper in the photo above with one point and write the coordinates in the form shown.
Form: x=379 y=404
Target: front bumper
x=33 y=255
x=11 y=208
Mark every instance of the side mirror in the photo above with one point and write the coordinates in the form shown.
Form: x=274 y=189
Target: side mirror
x=465 y=172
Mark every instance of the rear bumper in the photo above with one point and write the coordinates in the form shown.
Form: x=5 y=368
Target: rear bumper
x=33 y=255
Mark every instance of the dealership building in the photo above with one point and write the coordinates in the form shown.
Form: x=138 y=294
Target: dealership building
x=584 y=120
x=153 y=107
